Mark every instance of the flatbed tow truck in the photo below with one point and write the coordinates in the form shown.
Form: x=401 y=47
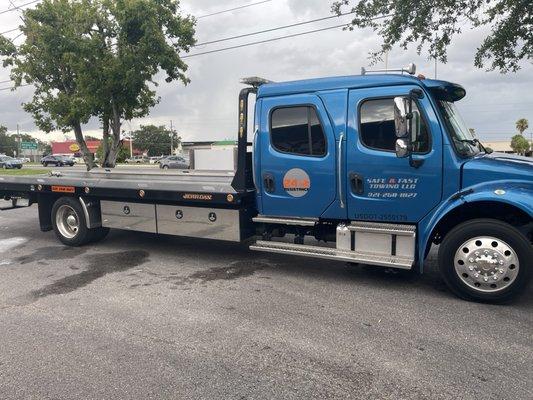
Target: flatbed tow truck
x=370 y=169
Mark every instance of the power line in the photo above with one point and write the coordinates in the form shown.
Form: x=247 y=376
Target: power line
x=9 y=31
x=262 y=41
x=200 y=17
x=233 y=9
x=15 y=8
x=13 y=87
x=273 y=29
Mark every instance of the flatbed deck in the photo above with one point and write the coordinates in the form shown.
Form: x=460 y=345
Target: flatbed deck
x=181 y=186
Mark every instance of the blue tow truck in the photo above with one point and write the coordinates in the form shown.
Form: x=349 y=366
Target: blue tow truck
x=371 y=169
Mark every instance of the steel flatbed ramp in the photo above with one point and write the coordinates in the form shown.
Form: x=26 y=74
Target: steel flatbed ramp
x=181 y=186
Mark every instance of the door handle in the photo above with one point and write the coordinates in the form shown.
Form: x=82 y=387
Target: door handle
x=357 y=183
x=268 y=183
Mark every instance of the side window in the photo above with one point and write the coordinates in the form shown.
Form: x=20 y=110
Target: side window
x=297 y=130
x=377 y=126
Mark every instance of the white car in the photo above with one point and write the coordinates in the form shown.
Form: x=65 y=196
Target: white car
x=154 y=160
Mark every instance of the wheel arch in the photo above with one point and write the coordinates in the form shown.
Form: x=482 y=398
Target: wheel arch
x=473 y=206
x=491 y=209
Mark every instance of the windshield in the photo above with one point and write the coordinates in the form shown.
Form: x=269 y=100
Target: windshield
x=6 y=158
x=463 y=139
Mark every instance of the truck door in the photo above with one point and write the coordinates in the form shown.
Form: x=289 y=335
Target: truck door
x=381 y=186
x=297 y=157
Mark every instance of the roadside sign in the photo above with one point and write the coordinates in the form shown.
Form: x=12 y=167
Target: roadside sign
x=74 y=147
x=28 y=145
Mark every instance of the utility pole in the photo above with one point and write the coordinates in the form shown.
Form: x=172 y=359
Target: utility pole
x=131 y=144
x=435 y=67
x=18 y=142
x=171 y=139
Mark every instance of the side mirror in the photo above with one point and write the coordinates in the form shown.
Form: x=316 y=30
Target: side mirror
x=400 y=116
x=402 y=148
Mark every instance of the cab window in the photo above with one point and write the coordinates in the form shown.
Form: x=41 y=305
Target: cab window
x=377 y=129
x=297 y=130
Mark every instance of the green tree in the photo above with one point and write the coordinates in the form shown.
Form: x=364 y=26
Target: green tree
x=155 y=140
x=521 y=125
x=7 y=142
x=136 y=39
x=434 y=24
x=97 y=58
x=122 y=154
x=55 y=49
x=519 y=144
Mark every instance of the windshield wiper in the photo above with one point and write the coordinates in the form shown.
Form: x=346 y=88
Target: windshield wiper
x=475 y=142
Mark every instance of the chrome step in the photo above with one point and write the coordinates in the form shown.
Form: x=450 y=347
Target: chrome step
x=285 y=221
x=333 y=254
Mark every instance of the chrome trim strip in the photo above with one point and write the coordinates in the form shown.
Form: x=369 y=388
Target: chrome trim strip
x=285 y=221
x=339 y=169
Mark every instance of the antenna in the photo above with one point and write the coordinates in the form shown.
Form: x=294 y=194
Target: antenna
x=410 y=69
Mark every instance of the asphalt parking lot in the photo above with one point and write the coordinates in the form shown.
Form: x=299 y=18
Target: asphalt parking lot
x=146 y=317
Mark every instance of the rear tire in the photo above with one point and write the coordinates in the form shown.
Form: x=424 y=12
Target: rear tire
x=68 y=221
x=486 y=260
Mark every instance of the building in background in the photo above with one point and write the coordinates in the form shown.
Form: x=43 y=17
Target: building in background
x=501 y=146
x=504 y=146
x=72 y=147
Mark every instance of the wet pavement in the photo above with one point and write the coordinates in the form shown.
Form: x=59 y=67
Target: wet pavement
x=140 y=316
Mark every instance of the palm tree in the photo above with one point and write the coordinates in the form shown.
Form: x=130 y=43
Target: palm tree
x=521 y=125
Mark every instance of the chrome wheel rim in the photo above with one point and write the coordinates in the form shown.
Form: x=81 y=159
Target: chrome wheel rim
x=67 y=221
x=486 y=264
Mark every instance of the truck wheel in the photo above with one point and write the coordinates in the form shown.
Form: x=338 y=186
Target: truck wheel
x=98 y=234
x=485 y=260
x=69 y=222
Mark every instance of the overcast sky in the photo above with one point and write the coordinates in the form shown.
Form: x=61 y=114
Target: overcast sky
x=207 y=108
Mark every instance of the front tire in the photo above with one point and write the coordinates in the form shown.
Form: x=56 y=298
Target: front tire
x=485 y=260
x=68 y=221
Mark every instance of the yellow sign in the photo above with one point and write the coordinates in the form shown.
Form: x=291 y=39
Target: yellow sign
x=74 y=147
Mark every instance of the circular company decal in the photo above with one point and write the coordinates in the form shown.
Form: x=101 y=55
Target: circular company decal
x=296 y=182
x=74 y=147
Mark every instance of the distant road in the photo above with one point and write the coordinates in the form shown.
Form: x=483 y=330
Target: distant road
x=82 y=166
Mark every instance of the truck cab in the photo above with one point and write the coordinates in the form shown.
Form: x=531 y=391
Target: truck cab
x=388 y=161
